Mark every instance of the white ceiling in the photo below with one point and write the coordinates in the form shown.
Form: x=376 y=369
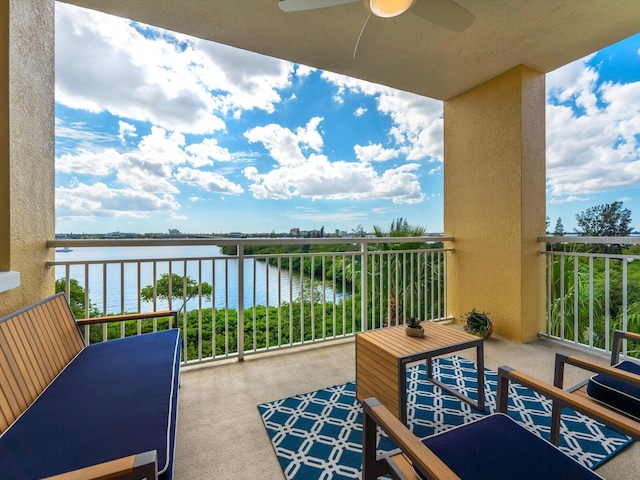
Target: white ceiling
x=409 y=53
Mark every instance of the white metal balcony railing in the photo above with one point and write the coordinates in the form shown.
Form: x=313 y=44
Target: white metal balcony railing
x=285 y=299
x=593 y=288
x=290 y=299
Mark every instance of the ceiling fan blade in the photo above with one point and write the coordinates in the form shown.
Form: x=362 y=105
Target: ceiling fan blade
x=369 y=36
x=297 y=5
x=446 y=13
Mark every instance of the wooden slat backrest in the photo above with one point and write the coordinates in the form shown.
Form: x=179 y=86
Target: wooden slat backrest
x=35 y=345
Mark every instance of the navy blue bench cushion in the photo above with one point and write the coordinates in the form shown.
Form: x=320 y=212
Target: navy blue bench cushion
x=619 y=395
x=114 y=399
x=497 y=448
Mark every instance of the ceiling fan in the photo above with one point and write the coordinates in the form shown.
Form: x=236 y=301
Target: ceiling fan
x=445 y=13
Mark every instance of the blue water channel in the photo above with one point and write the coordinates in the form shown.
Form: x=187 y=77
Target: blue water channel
x=214 y=268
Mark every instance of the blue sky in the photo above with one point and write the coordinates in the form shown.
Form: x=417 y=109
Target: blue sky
x=158 y=130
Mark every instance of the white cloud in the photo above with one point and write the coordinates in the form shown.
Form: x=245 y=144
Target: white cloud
x=304 y=71
x=247 y=80
x=207 y=152
x=577 y=82
x=96 y=162
x=570 y=80
x=209 y=181
x=150 y=166
x=145 y=176
x=155 y=164
x=374 y=153
x=417 y=121
x=595 y=147
x=348 y=84
x=99 y=200
x=569 y=199
x=360 y=111
x=315 y=176
x=75 y=136
x=106 y=63
x=126 y=130
x=285 y=146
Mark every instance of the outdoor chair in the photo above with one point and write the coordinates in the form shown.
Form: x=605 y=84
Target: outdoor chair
x=493 y=447
x=617 y=386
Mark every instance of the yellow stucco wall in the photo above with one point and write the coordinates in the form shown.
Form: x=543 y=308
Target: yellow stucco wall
x=494 y=201
x=27 y=212
x=5 y=249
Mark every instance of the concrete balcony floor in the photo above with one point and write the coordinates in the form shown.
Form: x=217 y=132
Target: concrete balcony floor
x=220 y=432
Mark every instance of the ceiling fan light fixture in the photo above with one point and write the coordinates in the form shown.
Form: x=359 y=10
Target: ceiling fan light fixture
x=388 y=8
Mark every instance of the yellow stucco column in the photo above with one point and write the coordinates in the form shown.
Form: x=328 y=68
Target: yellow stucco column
x=494 y=201
x=27 y=209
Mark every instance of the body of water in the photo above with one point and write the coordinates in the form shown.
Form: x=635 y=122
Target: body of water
x=138 y=266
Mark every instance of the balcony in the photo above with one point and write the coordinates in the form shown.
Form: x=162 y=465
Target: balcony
x=493 y=141
x=219 y=422
x=220 y=432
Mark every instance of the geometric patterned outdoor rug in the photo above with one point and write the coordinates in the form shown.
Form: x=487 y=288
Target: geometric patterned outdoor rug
x=318 y=435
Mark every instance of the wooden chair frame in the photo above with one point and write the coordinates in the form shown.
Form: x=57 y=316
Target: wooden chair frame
x=413 y=454
x=579 y=390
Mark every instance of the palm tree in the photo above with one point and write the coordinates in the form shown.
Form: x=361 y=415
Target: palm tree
x=398 y=275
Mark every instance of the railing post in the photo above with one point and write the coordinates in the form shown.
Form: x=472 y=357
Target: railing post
x=445 y=311
x=550 y=258
x=364 y=286
x=240 y=250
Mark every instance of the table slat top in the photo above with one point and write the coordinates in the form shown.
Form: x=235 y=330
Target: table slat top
x=396 y=342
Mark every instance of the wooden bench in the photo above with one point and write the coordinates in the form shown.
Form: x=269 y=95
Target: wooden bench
x=41 y=348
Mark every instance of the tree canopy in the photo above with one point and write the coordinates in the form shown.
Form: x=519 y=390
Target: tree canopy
x=177 y=289
x=77 y=298
x=607 y=220
x=559 y=230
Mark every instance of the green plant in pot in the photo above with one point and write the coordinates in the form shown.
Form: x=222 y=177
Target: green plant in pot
x=478 y=323
x=414 y=328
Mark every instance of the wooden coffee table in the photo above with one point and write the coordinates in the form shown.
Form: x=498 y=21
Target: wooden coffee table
x=382 y=357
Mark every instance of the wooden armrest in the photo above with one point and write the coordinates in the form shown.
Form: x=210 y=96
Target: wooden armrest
x=563 y=359
x=631 y=336
x=561 y=399
x=595 y=367
x=133 y=467
x=420 y=456
x=128 y=316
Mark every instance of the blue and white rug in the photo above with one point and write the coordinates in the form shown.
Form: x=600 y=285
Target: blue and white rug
x=318 y=435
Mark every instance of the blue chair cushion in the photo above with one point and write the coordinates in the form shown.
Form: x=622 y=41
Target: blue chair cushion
x=114 y=399
x=496 y=447
x=617 y=394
